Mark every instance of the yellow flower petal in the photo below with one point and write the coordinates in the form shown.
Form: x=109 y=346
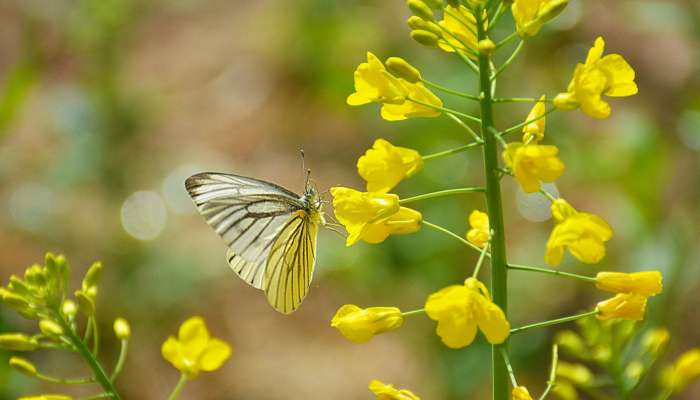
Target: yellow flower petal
x=647 y=283
x=480 y=231
x=628 y=306
x=385 y=165
x=357 y=210
x=360 y=325
x=532 y=164
x=583 y=234
x=389 y=392
x=214 y=355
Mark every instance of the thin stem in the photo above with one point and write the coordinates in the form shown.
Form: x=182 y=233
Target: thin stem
x=480 y=261
x=506 y=39
x=178 y=388
x=441 y=193
x=96 y=337
x=553 y=322
x=88 y=331
x=466 y=127
x=65 y=381
x=97 y=396
x=552 y=372
x=452 y=151
x=458 y=51
x=588 y=279
x=413 y=312
x=521 y=100
x=95 y=366
x=500 y=10
x=121 y=360
x=520 y=125
x=450 y=91
x=509 y=60
x=509 y=367
x=443 y=109
x=548 y=195
x=450 y=233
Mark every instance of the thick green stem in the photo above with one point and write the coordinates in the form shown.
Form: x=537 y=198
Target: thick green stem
x=499 y=272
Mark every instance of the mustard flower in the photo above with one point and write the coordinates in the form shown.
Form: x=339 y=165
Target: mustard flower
x=610 y=75
x=411 y=109
x=461 y=25
x=371 y=216
x=530 y=15
x=630 y=306
x=389 y=392
x=385 y=165
x=683 y=372
x=534 y=131
x=460 y=309
x=532 y=164
x=359 y=325
x=373 y=83
x=194 y=350
x=582 y=233
x=480 y=232
x=521 y=393
x=648 y=283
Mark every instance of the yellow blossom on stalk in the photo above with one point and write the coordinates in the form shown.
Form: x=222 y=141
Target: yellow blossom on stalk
x=385 y=165
x=389 y=392
x=648 y=283
x=371 y=216
x=480 y=232
x=628 y=306
x=610 y=75
x=532 y=164
x=582 y=233
x=530 y=15
x=373 y=83
x=684 y=371
x=412 y=109
x=461 y=24
x=194 y=350
x=460 y=309
x=534 y=131
x=361 y=324
x=521 y=393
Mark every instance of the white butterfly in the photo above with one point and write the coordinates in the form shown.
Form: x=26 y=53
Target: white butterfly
x=270 y=232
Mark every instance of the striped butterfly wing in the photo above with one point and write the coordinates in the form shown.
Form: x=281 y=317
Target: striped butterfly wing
x=290 y=265
x=249 y=214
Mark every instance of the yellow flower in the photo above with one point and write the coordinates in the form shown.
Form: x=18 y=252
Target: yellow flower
x=361 y=324
x=684 y=371
x=385 y=165
x=647 y=283
x=521 y=393
x=610 y=75
x=389 y=392
x=532 y=163
x=411 y=109
x=480 y=231
x=194 y=350
x=372 y=217
x=373 y=83
x=534 y=131
x=582 y=233
x=460 y=309
x=530 y=15
x=461 y=23
x=629 y=306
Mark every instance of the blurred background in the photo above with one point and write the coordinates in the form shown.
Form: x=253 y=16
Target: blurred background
x=106 y=106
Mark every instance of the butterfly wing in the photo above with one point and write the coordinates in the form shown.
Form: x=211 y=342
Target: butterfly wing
x=249 y=214
x=290 y=265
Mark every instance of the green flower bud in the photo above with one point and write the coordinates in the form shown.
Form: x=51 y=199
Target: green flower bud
x=655 y=341
x=18 y=342
x=416 y=23
x=634 y=370
x=419 y=8
x=34 y=275
x=402 y=69
x=92 y=276
x=91 y=292
x=69 y=308
x=50 y=328
x=578 y=374
x=122 y=329
x=23 y=366
x=486 y=46
x=426 y=38
x=571 y=342
x=85 y=303
x=13 y=300
x=18 y=286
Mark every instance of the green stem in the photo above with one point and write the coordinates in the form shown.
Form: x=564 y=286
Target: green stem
x=450 y=91
x=506 y=360
x=480 y=261
x=178 y=388
x=441 y=193
x=509 y=60
x=445 y=110
x=65 y=381
x=553 y=322
x=97 y=396
x=552 y=372
x=588 y=279
x=500 y=10
x=499 y=272
x=95 y=366
x=521 y=100
x=96 y=337
x=452 y=151
x=517 y=127
x=450 y=233
x=506 y=39
x=548 y=195
x=121 y=360
x=466 y=127
x=413 y=312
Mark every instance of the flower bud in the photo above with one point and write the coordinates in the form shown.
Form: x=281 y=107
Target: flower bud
x=486 y=46
x=416 y=23
x=571 y=342
x=634 y=370
x=434 y=4
x=69 y=308
x=13 y=300
x=17 y=342
x=85 y=303
x=92 y=275
x=426 y=38
x=655 y=341
x=420 y=9
x=684 y=371
x=34 y=275
x=566 y=102
x=360 y=325
x=23 y=366
x=402 y=69
x=18 y=286
x=578 y=374
x=628 y=306
x=122 y=329
x=50 y=328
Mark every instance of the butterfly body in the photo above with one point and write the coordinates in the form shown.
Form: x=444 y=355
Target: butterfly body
x=270 y=232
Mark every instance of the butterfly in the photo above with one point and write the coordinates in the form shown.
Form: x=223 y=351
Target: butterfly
x=270 y=232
